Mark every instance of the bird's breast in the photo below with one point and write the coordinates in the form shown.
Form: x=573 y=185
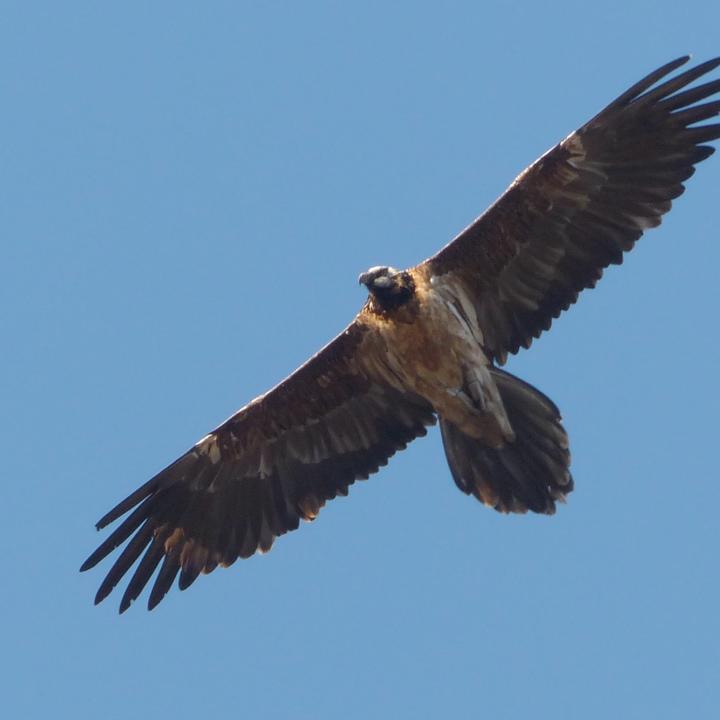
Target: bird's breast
x=431 y=343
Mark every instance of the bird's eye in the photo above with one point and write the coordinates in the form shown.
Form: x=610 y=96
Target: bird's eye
x=383 y=282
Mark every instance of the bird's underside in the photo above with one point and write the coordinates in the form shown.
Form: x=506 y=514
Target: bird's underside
x=425 y=348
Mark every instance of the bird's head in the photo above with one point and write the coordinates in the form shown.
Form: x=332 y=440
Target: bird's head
x=388 y=287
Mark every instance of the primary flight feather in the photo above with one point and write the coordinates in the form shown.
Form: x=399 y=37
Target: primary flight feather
x=426 y=347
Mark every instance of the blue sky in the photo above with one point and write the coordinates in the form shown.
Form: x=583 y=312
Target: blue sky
x=187 y=195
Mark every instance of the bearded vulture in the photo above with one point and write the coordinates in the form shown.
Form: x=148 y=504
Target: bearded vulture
x=426 y=347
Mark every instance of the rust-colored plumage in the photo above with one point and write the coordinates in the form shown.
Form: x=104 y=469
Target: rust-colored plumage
x=424 y=348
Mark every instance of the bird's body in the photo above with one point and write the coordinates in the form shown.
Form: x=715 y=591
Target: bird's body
x=433 y=345
x=425 y=348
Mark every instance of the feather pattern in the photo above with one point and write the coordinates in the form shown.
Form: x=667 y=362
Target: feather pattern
x=582 y=205
x=275 y=462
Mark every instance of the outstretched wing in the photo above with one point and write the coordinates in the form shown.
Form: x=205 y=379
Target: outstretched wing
x=580 y=206
x=334 y=420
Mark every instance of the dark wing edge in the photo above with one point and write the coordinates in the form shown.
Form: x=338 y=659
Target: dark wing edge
x=580 y=206
x=273 y=463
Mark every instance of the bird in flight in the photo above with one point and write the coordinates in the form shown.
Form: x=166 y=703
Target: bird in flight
x=427 y=347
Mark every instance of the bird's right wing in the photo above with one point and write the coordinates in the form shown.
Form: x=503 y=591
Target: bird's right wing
x=336 y=419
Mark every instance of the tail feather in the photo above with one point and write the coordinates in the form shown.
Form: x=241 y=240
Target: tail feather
x=529 y=473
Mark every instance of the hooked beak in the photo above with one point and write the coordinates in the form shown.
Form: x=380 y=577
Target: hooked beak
x=364 y=278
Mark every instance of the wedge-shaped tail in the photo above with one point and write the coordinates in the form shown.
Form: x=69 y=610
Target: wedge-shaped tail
x=530 y=473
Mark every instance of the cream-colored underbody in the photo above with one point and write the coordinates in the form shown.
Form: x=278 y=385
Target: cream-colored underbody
x=434 y=348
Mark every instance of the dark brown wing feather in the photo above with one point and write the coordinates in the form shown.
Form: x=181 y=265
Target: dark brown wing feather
x=580 y=206
x=276 y=461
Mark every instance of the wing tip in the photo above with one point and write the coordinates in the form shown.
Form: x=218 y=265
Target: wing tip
x=680 y=61
x=154 y=601
x=94 y=558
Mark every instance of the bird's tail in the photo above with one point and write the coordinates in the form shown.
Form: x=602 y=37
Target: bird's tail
x=529 y=473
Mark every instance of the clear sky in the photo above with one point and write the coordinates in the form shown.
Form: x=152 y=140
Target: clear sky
x=188 y=192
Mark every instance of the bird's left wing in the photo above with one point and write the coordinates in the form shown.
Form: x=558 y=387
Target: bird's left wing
x=580 y=206
x=276 y=461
